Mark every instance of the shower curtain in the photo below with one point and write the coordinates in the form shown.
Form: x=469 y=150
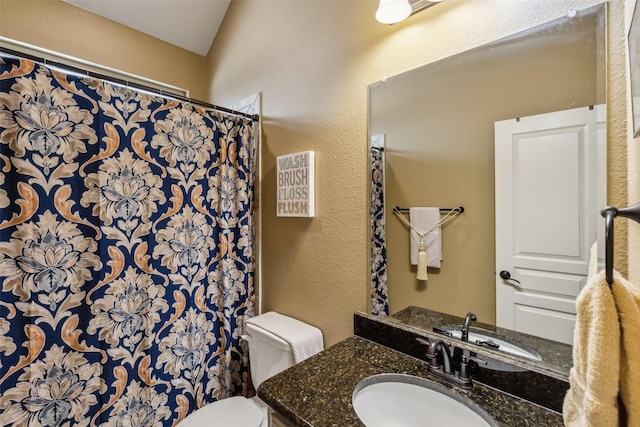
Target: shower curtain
x=379 y=294
x=126 y=252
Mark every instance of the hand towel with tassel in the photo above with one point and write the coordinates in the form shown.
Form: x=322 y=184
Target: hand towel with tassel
x=423 y=220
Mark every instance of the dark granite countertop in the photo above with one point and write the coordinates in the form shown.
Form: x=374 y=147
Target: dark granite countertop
x=318 y=391
x=557 y=358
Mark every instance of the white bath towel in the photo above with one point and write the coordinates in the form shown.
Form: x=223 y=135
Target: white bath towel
x=305 y=340
x=422 y=220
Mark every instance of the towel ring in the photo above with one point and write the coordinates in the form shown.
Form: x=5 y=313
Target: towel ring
x=609 y=213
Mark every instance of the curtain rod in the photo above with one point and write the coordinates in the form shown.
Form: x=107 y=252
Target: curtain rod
x=126 y=83
x=36 y=52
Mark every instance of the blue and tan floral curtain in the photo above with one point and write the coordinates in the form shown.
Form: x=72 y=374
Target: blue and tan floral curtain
x=379 y=291
x=126 y=252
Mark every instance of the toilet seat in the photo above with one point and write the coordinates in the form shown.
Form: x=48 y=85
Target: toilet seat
x=238 y=411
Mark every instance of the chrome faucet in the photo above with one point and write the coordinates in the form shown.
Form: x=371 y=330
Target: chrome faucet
x=470 y=317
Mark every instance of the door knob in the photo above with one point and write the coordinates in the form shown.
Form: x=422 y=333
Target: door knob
x=505 y=275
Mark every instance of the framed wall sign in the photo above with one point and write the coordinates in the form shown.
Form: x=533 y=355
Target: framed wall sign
x=296 y=183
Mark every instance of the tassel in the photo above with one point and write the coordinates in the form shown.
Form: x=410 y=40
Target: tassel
x=422 y=262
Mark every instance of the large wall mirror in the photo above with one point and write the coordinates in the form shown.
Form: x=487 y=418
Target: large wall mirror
x=437 y=123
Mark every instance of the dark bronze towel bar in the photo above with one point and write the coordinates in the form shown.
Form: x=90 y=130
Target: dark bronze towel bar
x=632 y=212
x=459 y=208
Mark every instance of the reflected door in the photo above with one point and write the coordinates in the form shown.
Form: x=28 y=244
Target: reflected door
x=548 y=195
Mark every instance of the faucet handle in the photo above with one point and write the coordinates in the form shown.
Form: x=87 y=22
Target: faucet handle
x=464 y=375
x=475 y=359
x=423 y=341
x=432 y=359
x=487 y=343
x=442 y=332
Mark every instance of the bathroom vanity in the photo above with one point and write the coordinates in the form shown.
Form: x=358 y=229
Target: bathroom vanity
x=319 y=391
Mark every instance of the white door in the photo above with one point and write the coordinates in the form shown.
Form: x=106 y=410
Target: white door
x=549 y=193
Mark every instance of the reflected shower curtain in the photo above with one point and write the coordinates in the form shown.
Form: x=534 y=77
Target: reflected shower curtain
x=379 y=295
x=126 y=263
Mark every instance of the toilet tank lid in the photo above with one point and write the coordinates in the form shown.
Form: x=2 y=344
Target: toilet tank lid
x=304 y=340
x=235 y=410
x=254 y=332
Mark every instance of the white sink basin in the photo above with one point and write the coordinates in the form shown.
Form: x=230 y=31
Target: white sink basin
x=477 y=335
x=397 y=400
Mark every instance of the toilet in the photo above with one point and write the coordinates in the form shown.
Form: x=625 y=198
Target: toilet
x=276 y=342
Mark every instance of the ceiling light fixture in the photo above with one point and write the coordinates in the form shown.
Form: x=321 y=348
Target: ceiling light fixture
x=393 y=11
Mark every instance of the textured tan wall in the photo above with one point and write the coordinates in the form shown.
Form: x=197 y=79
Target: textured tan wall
x=617 y=136
x=633 y=153
x=313 y=61
x=304 y=58
x=58 y=26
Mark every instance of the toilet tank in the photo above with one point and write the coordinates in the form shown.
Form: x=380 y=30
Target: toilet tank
x=268 y=354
